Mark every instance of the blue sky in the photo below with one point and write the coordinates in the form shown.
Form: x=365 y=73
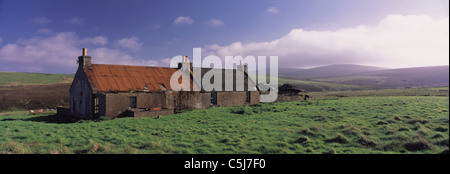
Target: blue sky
x=47 y=35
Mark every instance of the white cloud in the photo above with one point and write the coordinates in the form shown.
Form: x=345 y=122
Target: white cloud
x=99 y=40
x=396 y=41
x=131 y=43
x=165 y=62
x=183 y=20
x=105 y=55
x=45 y=30
x=273 y=10
x=214 y=22
x=75 y=20
x=40 y=20
x=58 y=52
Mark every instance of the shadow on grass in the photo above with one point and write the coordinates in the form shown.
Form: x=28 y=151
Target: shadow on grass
x=60 y=119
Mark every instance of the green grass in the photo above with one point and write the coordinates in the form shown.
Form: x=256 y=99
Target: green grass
x=317 y=85
x=435 y=91
x=367 y=80
x=321 y=86
x=17 y=78
x=412 y=124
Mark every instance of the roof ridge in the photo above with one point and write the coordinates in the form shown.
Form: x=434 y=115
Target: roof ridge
x=134 y=66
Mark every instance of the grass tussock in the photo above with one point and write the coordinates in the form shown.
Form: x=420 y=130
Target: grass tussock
x=341 y=139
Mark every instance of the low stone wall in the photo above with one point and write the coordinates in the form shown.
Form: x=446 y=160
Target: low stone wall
x=137 y=114
x=63 y=111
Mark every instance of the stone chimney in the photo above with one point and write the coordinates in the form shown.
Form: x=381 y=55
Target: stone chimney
x=84 y=60
x=241 y=67
x=185 y=62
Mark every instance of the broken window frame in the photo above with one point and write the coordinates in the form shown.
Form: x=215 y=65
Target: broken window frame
x=133 y=102
x=74 y=104
x=96 y=105
x=162 y=86
x=214 y=98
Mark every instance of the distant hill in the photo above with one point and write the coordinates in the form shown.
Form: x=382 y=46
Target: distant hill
x=19 y=78
x=282 y=71
x=327 y=78
x=332 y=77
x=393 y=78
x=33 y=90
x=329 y=71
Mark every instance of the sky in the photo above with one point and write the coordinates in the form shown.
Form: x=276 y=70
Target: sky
x=47 y=36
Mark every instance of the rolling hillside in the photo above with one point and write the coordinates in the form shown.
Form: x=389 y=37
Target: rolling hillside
x=373 y=77
x=330 y=71
x=317 y=86
x=32 y=90
x=19 y=78
x=20 y=91
x=394 y=78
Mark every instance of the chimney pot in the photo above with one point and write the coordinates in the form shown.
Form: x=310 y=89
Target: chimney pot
x=185 y=61
x=84 y=52
x=241 y=67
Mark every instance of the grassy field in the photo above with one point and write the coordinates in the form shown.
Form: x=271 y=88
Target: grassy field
x=321 y=86
x=317 y=86
x=437 y=91
x=399 y=124
x=18 y=78
x=375 y=77
x=25 y=97
x=33 y=90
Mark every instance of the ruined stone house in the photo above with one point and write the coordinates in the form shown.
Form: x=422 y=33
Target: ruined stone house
x=288 y=92
x=135 y=91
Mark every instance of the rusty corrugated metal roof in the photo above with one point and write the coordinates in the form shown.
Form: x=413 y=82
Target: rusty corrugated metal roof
x=123 y=78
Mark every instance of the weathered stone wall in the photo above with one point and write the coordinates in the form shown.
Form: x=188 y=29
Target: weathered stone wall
x=285 y=98
x=63 y=111
x=151 y=100
x=81 y=101
x=190 y=100
x=205 y=99
x=118 y=103
x=227 y=99
x=254 y=97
